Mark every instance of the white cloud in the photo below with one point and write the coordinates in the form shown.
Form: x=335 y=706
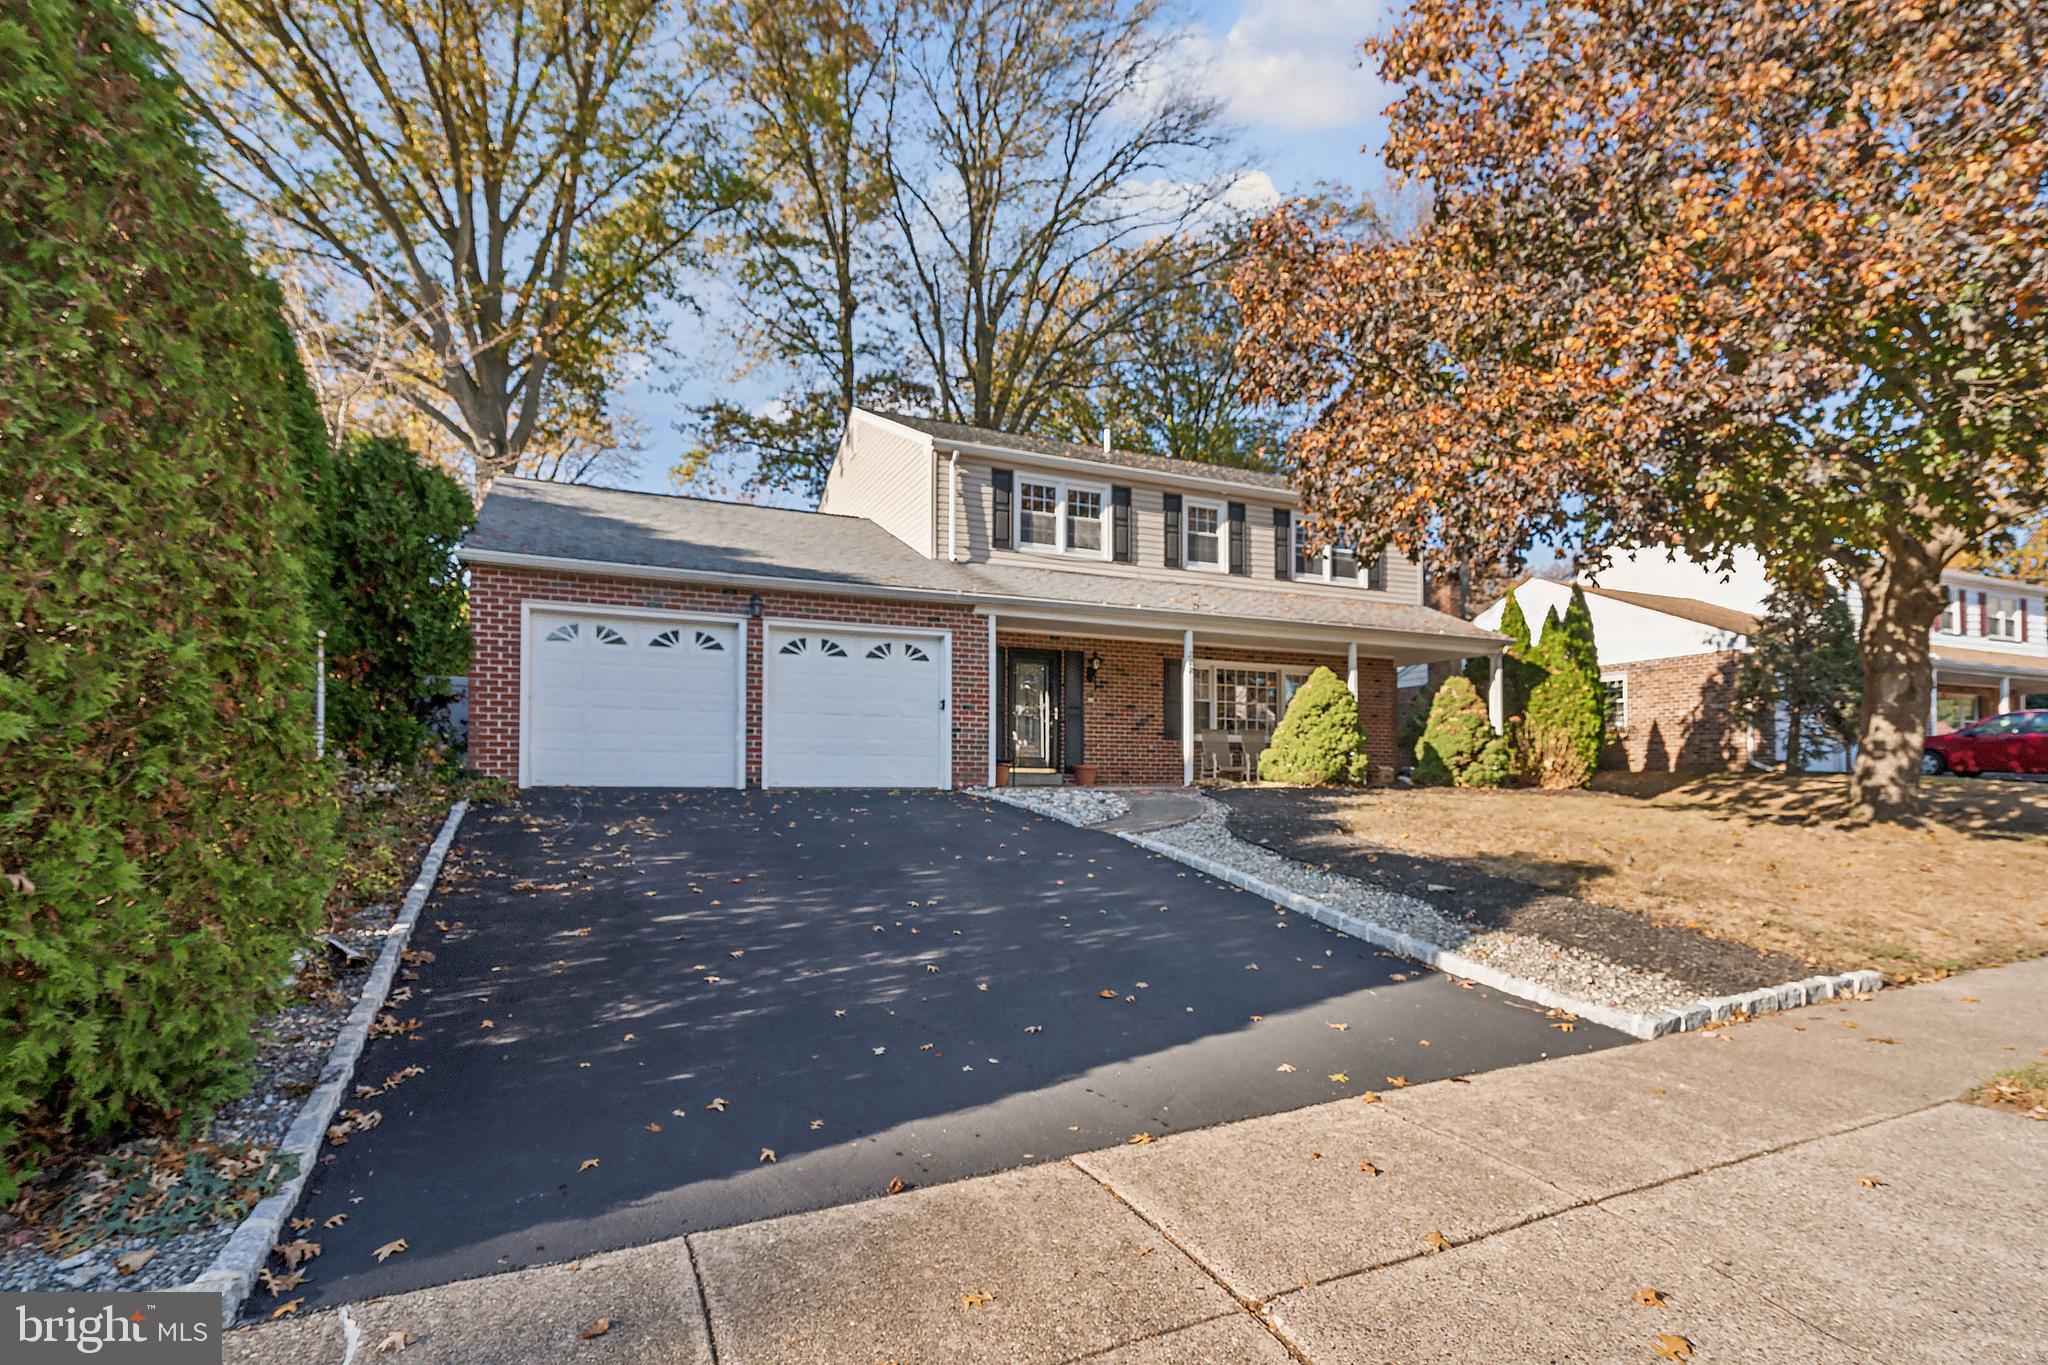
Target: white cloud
x=1295 y=64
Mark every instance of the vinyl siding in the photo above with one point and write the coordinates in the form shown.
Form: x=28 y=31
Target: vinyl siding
x=1148 y=532
x=885 y=474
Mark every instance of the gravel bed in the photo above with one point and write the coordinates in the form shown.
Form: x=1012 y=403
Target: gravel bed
x=1076 y=805
x=1569 y=970
x=293 y=1047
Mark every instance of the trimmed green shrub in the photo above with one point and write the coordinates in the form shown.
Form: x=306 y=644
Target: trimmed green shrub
x=1567 y=714
x=1319 y=742
x=1522 y=672
x=165 y=835
x=392 y=600
x=1457 y=735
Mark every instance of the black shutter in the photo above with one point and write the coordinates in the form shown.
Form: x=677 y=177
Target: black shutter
x=1172 y=503
x=1283 y=543
x=1072 y=704
x=1240 y=555
x=1005 y=750
x=1169 y=706
x=1120 y=524
x=1001 y=482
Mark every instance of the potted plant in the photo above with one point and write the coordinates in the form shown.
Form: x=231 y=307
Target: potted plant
x=1084 y=773
x=1002 y=773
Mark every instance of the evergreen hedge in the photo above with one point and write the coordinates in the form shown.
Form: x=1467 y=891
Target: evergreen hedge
x=1458 y=746
x=166 y=834
x=1320 y=742
x=1567 y=716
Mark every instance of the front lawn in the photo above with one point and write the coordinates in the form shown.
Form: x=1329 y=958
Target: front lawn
x=1762 y=859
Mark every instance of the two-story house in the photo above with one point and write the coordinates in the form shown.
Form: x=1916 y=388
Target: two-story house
x=1672 y=632
x=962 y=601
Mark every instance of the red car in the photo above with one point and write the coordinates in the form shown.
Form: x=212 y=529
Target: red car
x=2016 y=742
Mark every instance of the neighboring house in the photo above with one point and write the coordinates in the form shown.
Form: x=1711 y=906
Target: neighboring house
x=961 y=598
x=1672 y=632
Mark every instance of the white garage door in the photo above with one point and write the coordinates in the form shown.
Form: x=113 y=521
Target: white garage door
x=854 y=708
x=616 y=701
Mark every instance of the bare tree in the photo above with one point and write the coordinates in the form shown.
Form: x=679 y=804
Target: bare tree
x=511 y=183
x=1046 y=167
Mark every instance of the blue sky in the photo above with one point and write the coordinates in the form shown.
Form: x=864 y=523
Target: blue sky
x=1288 y=72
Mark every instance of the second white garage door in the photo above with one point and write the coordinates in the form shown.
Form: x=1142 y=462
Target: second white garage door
x=854 y=708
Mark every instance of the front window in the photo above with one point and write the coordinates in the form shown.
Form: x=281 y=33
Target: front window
x=1952 y=614
x=1234 y=698
x=1615 y=685
x=2002 y=617
x=1204 y=535
x=1054 y=516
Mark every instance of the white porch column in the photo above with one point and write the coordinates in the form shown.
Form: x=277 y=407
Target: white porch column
x=1933 y=697
x=2004 y=695
x=1187 y=708
x=1497 y=693
x=994 y=701
x=1351 y=668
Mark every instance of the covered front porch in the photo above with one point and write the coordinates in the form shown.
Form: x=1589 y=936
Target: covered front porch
x=1126 y=703
x=1974 y=685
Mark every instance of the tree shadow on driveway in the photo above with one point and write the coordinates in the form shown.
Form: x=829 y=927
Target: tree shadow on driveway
x=634 y=996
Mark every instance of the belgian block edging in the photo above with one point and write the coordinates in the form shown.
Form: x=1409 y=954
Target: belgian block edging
x=1635 y=1023
x=233 y=1272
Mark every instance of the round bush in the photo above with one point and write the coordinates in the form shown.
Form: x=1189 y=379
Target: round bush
x=1319 y=742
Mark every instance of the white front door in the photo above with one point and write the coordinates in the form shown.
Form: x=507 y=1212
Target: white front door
x=845 y=707
x=627 y=701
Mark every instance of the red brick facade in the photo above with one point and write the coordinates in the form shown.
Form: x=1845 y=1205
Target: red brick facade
x=495 y=595
x=1125 y=731
x=1682 y=715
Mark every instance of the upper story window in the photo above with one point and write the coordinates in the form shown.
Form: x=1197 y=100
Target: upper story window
x=1203 y=531
x=1059 y=517
x=1335 y=564
x=2003 y=617
x=1952 y=614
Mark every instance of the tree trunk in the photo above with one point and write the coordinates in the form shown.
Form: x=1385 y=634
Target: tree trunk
x=1901 y=596
x=1795 y=735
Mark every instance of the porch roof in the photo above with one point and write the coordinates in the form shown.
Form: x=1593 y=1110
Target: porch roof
x=574 y=528
x=1989 y=661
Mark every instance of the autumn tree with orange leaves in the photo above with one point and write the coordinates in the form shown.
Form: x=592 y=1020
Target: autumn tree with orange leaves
x=1704 y=273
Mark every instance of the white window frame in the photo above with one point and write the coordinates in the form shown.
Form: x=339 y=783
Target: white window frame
x=1954 y=616
x=1187 y=535
x=1062 y=539
x=1205 y=688
x=1324 y=568
x=2002 y=616
x=1611 y=699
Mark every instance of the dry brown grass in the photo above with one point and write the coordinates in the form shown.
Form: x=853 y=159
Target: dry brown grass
x=2023 y=1089
x=1763 y=859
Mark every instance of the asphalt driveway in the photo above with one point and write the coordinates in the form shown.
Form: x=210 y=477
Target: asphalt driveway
x=633 y=998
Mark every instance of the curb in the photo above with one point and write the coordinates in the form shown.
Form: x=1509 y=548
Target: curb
x=233 y=1272
x=1635 y=1023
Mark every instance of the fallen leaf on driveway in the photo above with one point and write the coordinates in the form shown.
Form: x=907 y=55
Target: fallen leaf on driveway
x=976 y=1299
x=717 y=1104
x=1672 y=1347
x=1652 y=1298
x=1140 y=1139
x=133 y=1261
x=1341 y=1028
x=1340 y=1078
x=391 y=1248
x=596 y=1329
x=816 y=1124
x=1034 y=1028
x=394 y=1343
x=1284 y=1066
x=895 y=1186
x=1105 y=995
x=1369 y=1097
x=281 y=1284
x=291 y=1306
x=334 y=1220
x=293 y=1254
x=653 y=1127
x=486 y=1024
x=767 y=1154
x=1398 y=1082
x=584 y=932
x=1436 y=1242
x=1874 y=1039
x=587 y=1164
x=301 y=1224
x=1564 y=1026
x=1870 y=1182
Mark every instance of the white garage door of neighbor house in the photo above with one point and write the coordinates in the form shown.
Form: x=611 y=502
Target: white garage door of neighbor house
x=619 y=701
x=854 y=708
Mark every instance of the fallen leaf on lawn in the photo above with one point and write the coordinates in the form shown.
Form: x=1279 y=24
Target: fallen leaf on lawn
x=1105 y=995
x=295 y=1253
x=653 y=1127
x=1368 y=1168
x=391 y=1248
x=394 y=1343
x=976 y=1299
x=1652 y=1298
x=292 y=1306
x=1284 y=1066
x=1672 y=1347
x=1341 y=1028
x=1398 y=1082
x=596 y=1329
x=1870 y=1182
x=1140 y=1139
x=130 y=1262
x=1340 y=1078
x=1436 y=1242
x=588 y=1163
x=895 y=1186
x=335 y=1220
x=767 y=1154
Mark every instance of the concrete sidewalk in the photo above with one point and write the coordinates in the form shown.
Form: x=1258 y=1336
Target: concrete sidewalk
x=1802 y=1187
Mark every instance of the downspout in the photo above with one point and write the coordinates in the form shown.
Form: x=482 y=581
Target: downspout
x=953 y=508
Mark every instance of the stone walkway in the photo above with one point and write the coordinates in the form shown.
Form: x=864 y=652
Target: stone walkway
x=1803 y=1187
